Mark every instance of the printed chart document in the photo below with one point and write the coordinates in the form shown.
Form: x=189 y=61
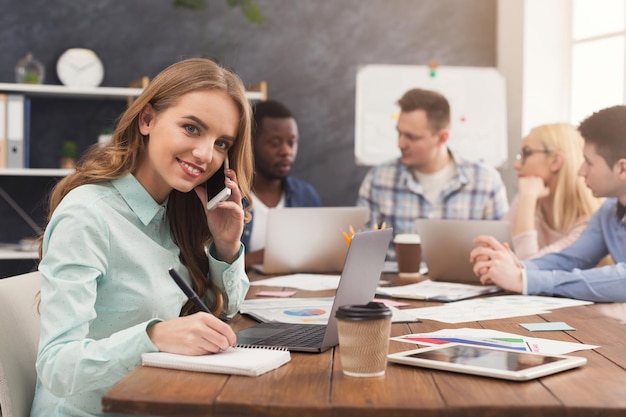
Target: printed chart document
x=491 y=308
x=493 y=338
x=249 y=361
x=437 y=291
x=310 y=310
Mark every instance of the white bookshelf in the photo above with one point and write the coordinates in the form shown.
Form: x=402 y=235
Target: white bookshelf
x=9 y=254
x=60 y=91
x=34 y=172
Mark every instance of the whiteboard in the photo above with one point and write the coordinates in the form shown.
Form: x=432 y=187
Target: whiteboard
x=477 y=110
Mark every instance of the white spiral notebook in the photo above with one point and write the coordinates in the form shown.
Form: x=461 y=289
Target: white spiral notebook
x=250 y=361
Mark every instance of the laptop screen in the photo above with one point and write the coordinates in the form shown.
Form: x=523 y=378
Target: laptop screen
x=309 y=239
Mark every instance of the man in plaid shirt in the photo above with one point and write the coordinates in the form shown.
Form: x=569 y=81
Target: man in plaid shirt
x=429 y=180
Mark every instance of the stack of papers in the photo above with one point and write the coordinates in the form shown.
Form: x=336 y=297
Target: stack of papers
x=437 y=291
x=308 y=282
x=491 y=308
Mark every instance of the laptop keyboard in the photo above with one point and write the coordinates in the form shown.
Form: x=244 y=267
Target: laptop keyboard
x=304 y=336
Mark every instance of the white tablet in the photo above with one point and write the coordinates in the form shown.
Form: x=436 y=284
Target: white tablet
x=484 y=361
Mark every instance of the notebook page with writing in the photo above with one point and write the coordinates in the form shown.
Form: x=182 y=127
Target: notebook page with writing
x=249 y=361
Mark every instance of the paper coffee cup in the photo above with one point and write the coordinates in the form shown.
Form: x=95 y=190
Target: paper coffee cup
x=408 y=254
x=364 y=338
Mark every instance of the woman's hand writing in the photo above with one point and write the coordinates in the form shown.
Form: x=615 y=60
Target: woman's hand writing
x=198 y=334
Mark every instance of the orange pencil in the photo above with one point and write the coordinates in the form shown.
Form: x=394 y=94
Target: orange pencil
x=346 y=237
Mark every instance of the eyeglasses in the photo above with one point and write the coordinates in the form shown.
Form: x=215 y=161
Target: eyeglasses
x=527 y=152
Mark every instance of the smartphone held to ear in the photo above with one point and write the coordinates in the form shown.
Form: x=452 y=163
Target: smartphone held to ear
x=216 y=191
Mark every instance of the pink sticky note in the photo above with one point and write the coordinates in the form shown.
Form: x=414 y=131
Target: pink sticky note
x=391 y=303
x=275 y=293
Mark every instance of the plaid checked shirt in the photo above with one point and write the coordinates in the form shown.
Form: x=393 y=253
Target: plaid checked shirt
x=394 y=196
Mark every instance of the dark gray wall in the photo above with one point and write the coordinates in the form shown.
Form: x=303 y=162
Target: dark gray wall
x=308 y=51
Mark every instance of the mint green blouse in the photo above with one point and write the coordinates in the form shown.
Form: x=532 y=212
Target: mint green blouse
x=106 y=252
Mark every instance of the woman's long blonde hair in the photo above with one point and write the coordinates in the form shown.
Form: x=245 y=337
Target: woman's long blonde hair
x=121 y=156
x=572 y=198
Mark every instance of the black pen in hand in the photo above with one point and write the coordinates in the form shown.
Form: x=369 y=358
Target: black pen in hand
x=190 y=293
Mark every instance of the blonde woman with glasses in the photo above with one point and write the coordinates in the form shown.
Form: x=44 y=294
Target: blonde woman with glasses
x=553 y=204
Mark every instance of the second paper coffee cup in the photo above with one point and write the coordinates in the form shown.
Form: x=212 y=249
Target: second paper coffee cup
x=408 y=254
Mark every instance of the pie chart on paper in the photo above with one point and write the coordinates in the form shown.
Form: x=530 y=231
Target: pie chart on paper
x=305 y=312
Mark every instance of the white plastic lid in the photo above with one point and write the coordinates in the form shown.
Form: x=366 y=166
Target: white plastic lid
x=407 y=238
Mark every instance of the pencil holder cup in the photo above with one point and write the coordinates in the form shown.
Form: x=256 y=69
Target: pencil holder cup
x=364 y=338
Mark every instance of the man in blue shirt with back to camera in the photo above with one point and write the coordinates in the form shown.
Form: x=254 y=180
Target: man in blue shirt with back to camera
x=429 y=180
x=275 y=146
x=574 y=272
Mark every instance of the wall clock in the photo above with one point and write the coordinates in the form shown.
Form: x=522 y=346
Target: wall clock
x=80 y=67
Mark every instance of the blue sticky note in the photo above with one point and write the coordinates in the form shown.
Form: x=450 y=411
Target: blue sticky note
x=547 y=327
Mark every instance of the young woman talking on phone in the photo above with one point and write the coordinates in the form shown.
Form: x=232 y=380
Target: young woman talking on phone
x=133 y=209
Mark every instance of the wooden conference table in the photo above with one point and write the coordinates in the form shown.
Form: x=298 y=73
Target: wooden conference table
x=314 y=385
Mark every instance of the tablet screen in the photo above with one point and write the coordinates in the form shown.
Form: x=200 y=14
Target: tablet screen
x=485 y=358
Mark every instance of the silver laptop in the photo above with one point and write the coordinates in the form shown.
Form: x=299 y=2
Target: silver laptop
x=357 y=285
x=309 y=239
x=446 y=246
